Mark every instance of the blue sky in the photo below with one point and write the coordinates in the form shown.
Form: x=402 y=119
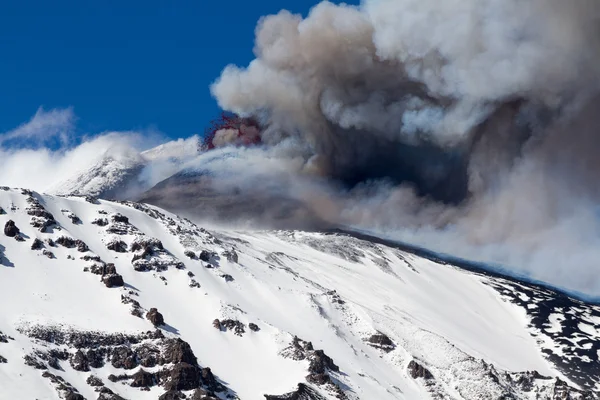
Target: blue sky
x=124 y=65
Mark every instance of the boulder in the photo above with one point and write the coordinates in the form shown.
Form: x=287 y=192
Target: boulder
x=113 y=280
x=155 y=317
x=117 y=246
x=10 y=229
x=37 y=244
x=381 y=341
x=205 y=256
x=253 y=327
x=190 y=254
x=94 y=381
x=416 y=370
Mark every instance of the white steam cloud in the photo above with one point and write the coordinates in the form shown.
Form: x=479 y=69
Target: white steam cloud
x=466 y=126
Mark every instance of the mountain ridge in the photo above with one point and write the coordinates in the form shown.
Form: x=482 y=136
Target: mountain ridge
x=309 y=314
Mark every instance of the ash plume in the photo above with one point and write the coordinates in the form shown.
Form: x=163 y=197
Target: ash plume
x=467 y=126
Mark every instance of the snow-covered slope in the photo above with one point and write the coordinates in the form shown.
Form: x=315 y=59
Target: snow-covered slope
x=105 y=300
x=124 y=172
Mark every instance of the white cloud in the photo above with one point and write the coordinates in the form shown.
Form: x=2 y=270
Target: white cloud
x=56 y=124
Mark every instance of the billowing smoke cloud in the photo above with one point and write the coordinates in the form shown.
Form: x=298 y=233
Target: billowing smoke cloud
x=467 y=126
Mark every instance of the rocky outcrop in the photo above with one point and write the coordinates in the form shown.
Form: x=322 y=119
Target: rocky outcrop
x=320 y=367
x=123 y=357
x=253 y=327
x=182 y=376
x=100 y=222
x=113 y=280
x=79 y=362
x=381 y=342
x=72 y=243
x=94 y=381
x=10 y=229
x=118 y=246
x=190 y=254
x=40 y=218
x=230 y=325
x=304 y=392
x=177 y=351
x=37 y=244
x=416 y=370
x=143 y=378
x=151 y=255
x=155 y=317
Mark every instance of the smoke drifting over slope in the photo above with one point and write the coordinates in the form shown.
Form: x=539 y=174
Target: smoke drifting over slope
x=467 y=126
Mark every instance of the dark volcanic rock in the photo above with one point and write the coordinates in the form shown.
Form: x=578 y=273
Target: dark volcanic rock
x=318 y=379
x=94 y=381
x=66 y=242
x=201 y=394
x=123 y=357
x=37 y=244
x=155 y=317
x=190 y=254
x=10 y=229
x=321 y=362
x=177 y=351
x=100 y=221
x=230 y=324
x=182 y=376
x=3 y=360
x=71 y=243
x=205 y=256
x=147 y=355
x=172 y=395
x=231 y=256
x=79 y=362
x=32 y=361
x=107 y=394
x=120 y=218
x=113 y=280
x=74 y=396
x=381 y=341
x=48 y=254
x=416 y=370
x=143 y=379
x=209 y=380
x=117 y=246
x=253 y=327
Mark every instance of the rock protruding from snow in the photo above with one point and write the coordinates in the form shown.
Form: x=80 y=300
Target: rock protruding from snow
x=150 y=255
x=304 y=392
x=416 y=371
x=381 y=341
x=10 y=229
x=155 y=317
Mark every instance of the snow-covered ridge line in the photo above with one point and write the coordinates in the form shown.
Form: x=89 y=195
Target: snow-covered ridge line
x=492 y=270
x=114 y=300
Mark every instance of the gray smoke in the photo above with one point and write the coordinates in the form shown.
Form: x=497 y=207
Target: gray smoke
x=468 y=126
